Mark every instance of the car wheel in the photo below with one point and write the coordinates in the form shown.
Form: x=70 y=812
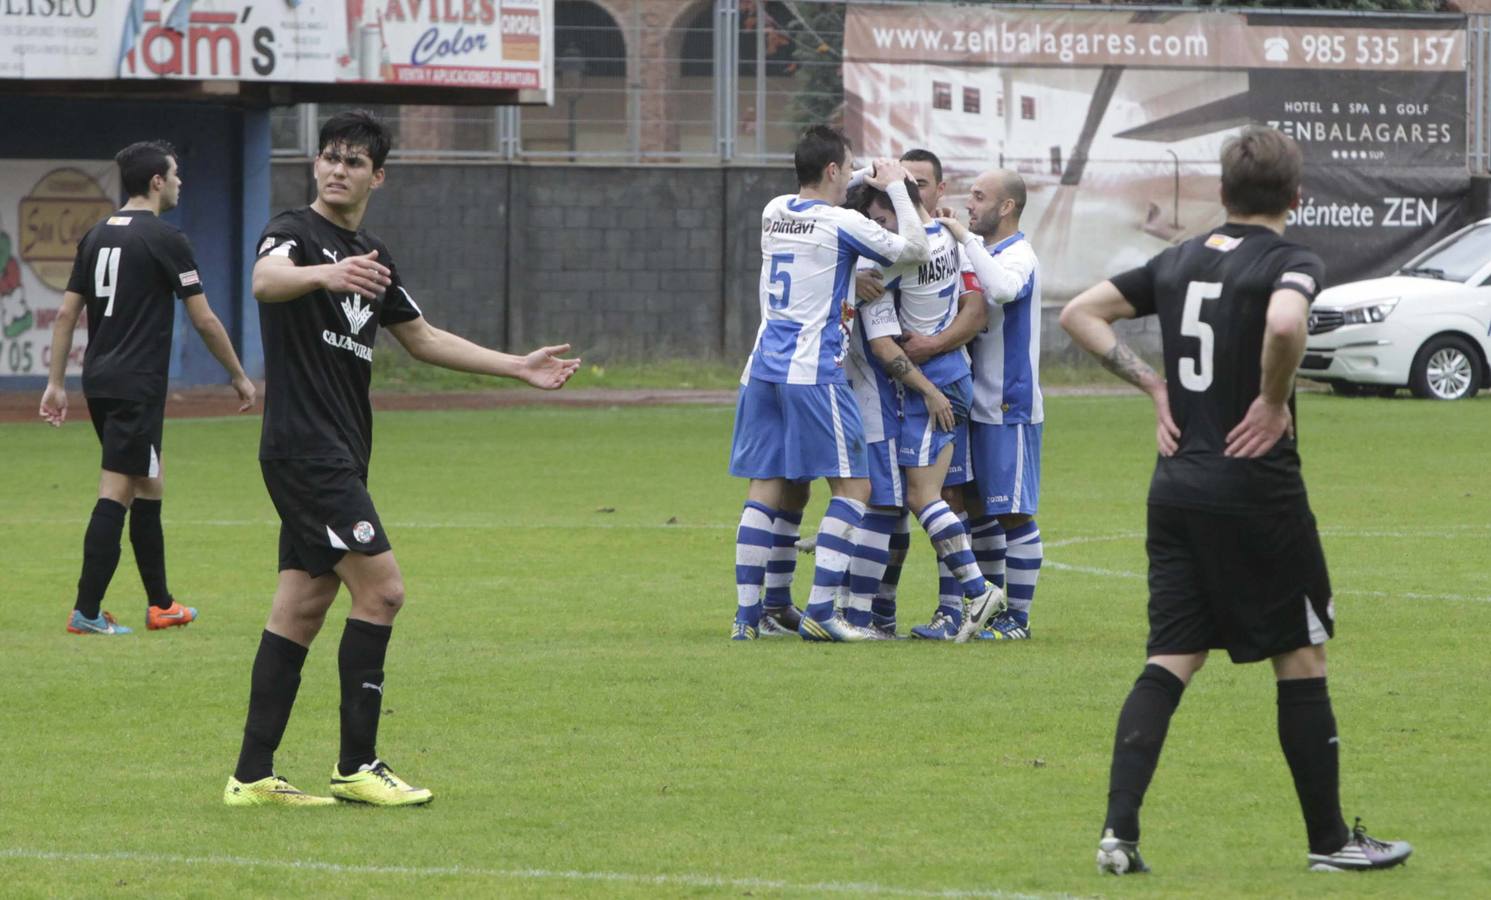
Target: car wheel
x=1446 y=368
x=1347 y=389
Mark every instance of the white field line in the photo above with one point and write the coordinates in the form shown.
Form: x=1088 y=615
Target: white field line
x=680 y=880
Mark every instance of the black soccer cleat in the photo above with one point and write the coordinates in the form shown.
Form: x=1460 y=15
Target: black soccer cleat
x=1116 y=857
x=1362 y=853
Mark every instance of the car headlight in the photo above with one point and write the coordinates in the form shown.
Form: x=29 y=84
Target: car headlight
x=1367 y=313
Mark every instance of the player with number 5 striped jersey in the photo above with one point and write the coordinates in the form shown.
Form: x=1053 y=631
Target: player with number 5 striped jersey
x=808 y=254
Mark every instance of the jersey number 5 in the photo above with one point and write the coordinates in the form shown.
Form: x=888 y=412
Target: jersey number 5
x=1195 y=374
x=106 y=276
x=782 y=278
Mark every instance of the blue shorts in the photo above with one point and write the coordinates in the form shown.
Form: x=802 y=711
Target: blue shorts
x=1007 y=467
x=960 y=470
x=797 y=431
x=921 y=441
x=887 y=487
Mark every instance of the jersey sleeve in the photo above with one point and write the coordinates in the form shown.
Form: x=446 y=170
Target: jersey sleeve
x=80 y=281
x=282 y=238
x=1300 y=270
x=398 y=305
x=1137 y=287
x=174 y=253
x=968 y=282
x=878 y=317
x=870 y=240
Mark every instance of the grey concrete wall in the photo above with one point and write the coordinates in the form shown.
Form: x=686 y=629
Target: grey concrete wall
x=624 y=263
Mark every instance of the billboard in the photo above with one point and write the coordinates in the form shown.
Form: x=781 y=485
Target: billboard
x=46 y=206
x=1116 y=120
x=493 y=44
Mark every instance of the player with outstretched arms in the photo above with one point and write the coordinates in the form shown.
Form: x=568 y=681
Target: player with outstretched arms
x=796 y=419
x=324 y=287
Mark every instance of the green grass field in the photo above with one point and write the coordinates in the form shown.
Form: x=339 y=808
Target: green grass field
x=560 y=678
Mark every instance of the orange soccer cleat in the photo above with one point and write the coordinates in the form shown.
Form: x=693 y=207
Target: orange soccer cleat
x=170 y=617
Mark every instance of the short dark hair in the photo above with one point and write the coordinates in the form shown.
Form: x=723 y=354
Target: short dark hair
x=917 y=154
x=1260 y=172
x=357 y=128
x=862 y=196
x=142 y=161
x=818 y=146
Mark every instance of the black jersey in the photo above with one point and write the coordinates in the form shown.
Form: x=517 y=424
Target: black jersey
x=1211 y=294
x=318 y=348
x=128 y=268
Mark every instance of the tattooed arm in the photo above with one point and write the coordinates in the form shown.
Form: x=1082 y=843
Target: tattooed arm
x=896 y=364
x=1089 y=320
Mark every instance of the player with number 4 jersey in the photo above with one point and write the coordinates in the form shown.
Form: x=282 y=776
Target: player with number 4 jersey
x=129 y=270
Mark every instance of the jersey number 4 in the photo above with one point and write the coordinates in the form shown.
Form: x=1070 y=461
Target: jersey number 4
x=1196 y=374
x=106 y=276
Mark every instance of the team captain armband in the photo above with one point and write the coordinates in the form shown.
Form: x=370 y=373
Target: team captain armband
x=1299 y=281
x=970 y=283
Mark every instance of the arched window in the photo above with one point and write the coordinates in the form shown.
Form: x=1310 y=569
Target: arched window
x=586 y=33
x=697 y=57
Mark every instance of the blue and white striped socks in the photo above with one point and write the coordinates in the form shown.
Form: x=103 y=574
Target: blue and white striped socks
x=1025 y=556
x=782 y=562
x=871 y=555
x=836 y=538
x=950 y=540
x=987 y=536
x=753 y=542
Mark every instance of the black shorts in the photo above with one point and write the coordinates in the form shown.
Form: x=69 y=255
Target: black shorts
x=1254 y=585
x=130 y=433
x=325 y=511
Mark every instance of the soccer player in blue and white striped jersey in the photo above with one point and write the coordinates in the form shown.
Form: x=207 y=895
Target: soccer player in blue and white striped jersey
x=796 y=419
x=924 y=299
x=1008 y=413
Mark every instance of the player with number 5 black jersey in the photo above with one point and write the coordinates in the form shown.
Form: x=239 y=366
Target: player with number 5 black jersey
x=128 y=272
x=1235 y=560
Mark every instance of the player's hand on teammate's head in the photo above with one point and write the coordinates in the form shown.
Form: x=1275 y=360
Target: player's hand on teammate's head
x=544 y=368
x=361 y=274
x=887 y=172
x=949 y=221
x=54 y=406
x=869 y=285
x=247 y=392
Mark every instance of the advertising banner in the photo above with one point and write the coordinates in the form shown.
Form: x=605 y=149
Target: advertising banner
x=46 y=206
x=1116 y=121
x=494 y=44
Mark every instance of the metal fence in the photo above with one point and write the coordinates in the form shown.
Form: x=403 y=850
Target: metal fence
x=700 y=82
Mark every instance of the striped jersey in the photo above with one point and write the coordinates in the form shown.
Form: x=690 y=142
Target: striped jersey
x=878 y=395
x=926 y=299
x=808 y=254
x=1007 y=354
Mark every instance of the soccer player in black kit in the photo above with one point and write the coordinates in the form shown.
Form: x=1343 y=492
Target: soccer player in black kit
x=127 y=272
x=1235 y=561
x=324 y=287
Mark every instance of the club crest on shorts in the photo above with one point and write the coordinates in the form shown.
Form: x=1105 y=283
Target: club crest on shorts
x=363 y=532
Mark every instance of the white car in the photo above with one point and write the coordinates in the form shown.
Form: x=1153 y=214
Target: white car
x=1427 y=327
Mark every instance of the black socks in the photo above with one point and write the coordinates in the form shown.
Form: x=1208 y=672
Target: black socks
x=274 y=683
x=150 y=550
x=1307 y=732
x=1142 y=725
x=100 y=555
x=360 y=662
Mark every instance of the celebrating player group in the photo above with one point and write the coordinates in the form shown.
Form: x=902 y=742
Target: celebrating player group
x=915 y=388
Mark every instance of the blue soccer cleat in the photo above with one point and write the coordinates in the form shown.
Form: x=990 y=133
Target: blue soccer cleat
x=943 y=627
x=834 y=629
x=743 y=631
x=1009 y=625
x=104 y=623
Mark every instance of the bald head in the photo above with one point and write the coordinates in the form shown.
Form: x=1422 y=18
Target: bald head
x=997 y=195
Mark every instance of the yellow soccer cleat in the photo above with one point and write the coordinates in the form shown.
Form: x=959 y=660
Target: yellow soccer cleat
x=271 y=791
x=376 y=785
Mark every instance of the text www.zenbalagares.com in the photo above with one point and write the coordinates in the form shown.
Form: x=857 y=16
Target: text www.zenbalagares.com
x=1066 y=46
